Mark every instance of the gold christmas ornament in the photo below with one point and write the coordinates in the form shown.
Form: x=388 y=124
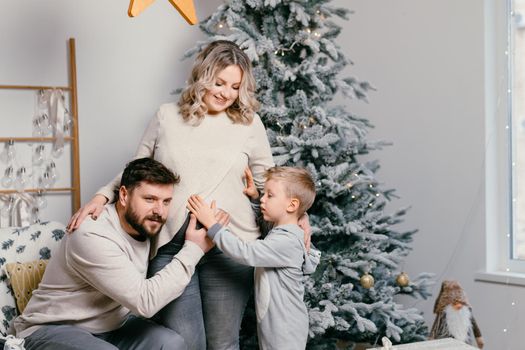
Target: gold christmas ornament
x=402 y=279
x=367 y=281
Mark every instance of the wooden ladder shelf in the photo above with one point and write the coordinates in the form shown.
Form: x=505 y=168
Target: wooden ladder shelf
x=73 y=139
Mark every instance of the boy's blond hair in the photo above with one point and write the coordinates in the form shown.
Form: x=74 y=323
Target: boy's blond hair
x=298 y=184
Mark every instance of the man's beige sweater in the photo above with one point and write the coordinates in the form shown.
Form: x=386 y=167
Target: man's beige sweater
x=98 y=277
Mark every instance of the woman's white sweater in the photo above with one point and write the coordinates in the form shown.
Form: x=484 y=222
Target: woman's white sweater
x=210 y=159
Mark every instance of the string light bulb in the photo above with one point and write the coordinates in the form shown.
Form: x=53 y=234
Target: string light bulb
x=35 y=215
x=40 y=200
x=8 y=178
x=53 y=172
x=38 y=155
x=9 y=152
x=46 y=181
x=21 y=179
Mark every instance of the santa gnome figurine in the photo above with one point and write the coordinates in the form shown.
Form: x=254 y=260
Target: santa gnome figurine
x=454 y=317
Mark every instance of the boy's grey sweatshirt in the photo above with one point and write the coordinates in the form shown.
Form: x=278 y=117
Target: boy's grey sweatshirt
x=280 y=262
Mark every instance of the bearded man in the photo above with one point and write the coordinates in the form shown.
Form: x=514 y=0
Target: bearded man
x=94 y=293
x=454 y=317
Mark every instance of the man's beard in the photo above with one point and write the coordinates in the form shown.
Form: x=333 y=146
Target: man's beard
x=459 y=323
x=138 y=225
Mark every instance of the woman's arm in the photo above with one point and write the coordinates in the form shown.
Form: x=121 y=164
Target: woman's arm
x=93 y=208
x=260 y=154
x=106 y=194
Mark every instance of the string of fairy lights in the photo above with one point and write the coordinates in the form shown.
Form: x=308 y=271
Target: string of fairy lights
x=503 y=101
x=510 y=55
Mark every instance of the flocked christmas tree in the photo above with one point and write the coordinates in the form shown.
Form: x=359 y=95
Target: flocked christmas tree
x=297 y=66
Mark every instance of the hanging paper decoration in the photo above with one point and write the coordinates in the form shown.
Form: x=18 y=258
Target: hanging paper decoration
x=54 y=102
x=17 y=210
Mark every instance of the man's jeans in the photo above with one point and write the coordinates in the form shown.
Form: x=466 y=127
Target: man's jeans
x=136 y=334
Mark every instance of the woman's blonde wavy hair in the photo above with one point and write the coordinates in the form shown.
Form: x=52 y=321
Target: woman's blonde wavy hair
x=208 y=63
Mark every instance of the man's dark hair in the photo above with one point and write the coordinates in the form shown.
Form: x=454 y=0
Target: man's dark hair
x=147 y=170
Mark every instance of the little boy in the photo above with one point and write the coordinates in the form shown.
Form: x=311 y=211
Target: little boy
x=280 y=260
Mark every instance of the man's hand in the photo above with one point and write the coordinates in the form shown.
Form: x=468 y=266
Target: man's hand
x=204 y=213
x=250 y=190
x=304 y=223
x=198 y=237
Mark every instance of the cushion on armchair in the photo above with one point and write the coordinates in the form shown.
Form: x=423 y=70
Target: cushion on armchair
x=23 y=244
x=24 y=278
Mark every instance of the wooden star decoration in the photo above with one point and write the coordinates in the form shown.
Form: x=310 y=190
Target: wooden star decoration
x=186 y=8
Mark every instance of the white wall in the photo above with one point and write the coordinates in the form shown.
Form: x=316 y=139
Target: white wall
x=126 y=68
x=424 y=57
